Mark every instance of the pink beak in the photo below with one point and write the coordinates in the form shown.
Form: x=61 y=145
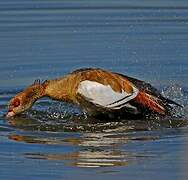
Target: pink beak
x=10 y=114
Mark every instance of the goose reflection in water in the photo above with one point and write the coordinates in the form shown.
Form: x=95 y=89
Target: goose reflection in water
x=94 y=151
x=99 y=149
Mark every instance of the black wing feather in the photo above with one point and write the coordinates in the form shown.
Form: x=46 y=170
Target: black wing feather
x=149 y=89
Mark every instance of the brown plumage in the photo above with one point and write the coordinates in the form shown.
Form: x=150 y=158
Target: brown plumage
x=97 y=91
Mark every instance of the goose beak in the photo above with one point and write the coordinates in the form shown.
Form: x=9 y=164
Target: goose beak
x=10 y=114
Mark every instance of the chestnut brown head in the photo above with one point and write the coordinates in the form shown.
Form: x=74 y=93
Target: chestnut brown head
x=24 y=100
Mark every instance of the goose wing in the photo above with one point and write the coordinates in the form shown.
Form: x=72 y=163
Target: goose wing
x=105 y=96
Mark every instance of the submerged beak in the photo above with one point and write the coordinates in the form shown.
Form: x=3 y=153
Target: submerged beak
x=10 y=114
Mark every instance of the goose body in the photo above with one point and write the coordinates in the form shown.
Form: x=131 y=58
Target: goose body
x=96 y=91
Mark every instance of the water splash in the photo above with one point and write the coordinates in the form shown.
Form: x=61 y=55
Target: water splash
x=179 y=95
x=47 y=115
x=92 y=143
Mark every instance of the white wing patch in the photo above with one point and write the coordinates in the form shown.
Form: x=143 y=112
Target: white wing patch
x=105 y=96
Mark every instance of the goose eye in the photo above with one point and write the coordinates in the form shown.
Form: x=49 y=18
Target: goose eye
x=16 y=103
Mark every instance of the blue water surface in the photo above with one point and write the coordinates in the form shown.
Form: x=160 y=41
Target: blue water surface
x=46 y=39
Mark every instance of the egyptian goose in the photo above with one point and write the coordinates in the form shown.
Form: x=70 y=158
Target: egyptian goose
x=97 y=92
